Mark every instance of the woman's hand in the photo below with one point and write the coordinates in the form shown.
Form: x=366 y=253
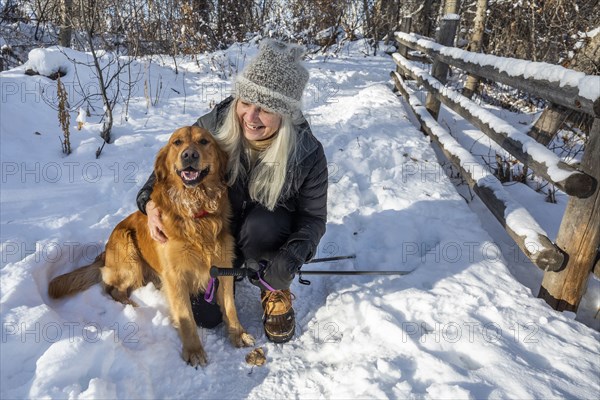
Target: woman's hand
x=277 y=274
x=280 y=272
x=155 y=225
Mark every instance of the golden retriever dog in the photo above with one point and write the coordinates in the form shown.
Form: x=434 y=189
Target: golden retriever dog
x=192 y=196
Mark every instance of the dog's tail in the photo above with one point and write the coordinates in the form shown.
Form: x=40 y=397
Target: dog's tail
x=76 y=281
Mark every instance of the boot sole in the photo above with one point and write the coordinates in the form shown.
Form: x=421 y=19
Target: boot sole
x=281 y=338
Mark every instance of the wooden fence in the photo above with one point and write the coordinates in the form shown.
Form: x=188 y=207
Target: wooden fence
x=568 y=260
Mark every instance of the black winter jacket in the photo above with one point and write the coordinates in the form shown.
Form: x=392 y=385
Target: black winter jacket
x=305 y=193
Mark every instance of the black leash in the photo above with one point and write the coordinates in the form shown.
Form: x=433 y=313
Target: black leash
x=326 y=259
x=215 y=272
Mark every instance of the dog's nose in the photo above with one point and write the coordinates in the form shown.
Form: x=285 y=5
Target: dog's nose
x=190 y=155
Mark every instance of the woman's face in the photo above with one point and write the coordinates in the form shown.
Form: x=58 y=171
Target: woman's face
x=257 y=124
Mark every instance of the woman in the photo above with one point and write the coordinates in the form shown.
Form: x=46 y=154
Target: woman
x=277 y=177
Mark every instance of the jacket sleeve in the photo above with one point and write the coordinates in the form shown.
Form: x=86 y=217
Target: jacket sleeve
x=209 y=122
x=214 y=118
x=143 y=195
x=311 y=212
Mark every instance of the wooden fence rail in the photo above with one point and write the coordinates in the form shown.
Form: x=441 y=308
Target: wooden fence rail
x=568 y=262
x=565 y=93
x=525 y=149
x=534 y=243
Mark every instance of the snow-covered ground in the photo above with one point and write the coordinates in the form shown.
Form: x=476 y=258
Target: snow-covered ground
x=460 y=326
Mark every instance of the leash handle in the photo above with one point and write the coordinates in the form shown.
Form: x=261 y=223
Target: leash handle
x=215 y=272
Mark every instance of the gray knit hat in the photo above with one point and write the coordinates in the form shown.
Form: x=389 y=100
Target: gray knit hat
x=274 y=79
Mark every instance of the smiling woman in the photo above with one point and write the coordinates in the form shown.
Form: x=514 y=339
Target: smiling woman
x=257 y=124
x=277 y=179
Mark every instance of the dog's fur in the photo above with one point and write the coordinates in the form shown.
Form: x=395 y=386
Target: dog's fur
x=192 y=196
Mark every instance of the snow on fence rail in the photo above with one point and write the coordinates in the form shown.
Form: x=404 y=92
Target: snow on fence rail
x=572 y=89
x=569 y=261
x=524 y=148
x=519 y=223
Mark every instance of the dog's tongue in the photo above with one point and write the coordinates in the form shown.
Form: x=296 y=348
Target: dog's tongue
x=189 y=175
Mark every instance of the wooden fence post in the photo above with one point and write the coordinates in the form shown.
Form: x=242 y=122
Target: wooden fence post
x=578 y=237
x=548 y=124
x=439 y=70
x=405 y=26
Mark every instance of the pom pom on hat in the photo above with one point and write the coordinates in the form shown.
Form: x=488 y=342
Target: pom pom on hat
x=275 y=78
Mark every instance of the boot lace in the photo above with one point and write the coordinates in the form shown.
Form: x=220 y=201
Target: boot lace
x=271 y=298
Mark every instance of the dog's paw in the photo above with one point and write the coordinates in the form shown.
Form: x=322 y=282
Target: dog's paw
x=195 y=357
x=241 y=339
x=132 y=303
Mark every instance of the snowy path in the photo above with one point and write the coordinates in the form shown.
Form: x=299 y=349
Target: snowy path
x=459 y=326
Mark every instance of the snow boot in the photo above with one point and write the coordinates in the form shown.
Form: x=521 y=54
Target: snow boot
x=279 y=319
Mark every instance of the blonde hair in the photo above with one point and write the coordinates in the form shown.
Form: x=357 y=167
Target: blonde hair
x=267 y=177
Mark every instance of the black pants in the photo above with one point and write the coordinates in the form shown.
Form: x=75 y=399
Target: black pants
x=261 y=234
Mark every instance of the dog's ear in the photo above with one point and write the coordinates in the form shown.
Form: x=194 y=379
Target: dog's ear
x=161 y=168
x=223 y=159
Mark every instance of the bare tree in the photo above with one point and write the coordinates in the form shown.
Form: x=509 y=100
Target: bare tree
x=66 y=10
x=538 y=30
x=43 y=12
x=476 y=44
x=108 y=67
x=232 y=20
x=425 y=16
x=451 y=6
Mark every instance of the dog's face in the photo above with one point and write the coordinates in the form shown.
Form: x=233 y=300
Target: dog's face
x=191 y=157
